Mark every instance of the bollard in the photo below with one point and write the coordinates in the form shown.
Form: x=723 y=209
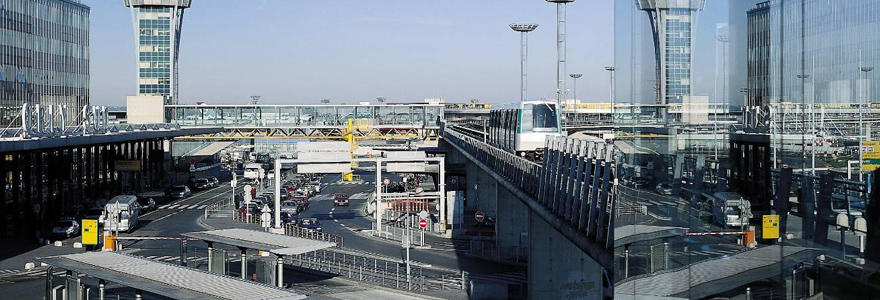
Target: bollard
x=101 y=284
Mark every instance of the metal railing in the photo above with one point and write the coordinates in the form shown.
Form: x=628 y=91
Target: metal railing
x=224 y=208
x=296 y=231
x=399 y=234
x=363 y=268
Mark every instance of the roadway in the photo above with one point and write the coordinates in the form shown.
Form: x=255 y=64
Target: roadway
x=171 y=218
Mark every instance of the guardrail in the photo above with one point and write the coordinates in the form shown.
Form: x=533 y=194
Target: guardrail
x=417 y=237
x=296 y=231
x=224 y=208
x=364 y=269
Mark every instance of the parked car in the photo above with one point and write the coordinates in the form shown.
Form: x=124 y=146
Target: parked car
x=147 y=204
x=290 y=206
x=289 y=217
x=310 y=224
x=178 y=192
x=249 y=209
x=664 y=188
x=96 y=213
x=202 y=184
x=214 y=181
x=340 y=199
x=65 y=228
x=302 y=201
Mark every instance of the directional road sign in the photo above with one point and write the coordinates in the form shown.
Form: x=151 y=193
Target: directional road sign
x=479 y=216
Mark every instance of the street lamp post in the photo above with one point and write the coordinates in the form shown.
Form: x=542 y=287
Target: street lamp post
x=575 y=76
x=803 y=78
x=611 y=99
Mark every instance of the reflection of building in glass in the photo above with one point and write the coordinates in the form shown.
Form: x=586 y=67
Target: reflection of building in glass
x=672 y=25
x=157 y=36
x=758 y=54
x=45 y=56
x=827 y=45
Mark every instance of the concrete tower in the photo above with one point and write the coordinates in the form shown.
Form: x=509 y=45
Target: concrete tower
x=672 y=27
x=560 y=48
x=523 y=29
x=157 y=27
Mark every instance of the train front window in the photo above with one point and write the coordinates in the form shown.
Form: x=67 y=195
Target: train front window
x=543 y=118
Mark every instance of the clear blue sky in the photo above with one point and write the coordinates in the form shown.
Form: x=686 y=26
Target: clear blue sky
x=298 y=52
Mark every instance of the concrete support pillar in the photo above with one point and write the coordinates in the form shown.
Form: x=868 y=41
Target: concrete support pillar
x=16 y=191
x=512 y=223
x=34 y=202
x=4 y=163
x=210 y=256
x=558 y=268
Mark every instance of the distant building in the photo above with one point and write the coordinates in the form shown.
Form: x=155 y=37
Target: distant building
x=672 y=26
x=45 y=58
x=158 y=25
x=758 y=54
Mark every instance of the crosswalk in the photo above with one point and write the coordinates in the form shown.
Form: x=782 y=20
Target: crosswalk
x=451 y=245
x=35 y=272
x=183 y=206
x=347 y=183
x=655 y=202
x=706 y=253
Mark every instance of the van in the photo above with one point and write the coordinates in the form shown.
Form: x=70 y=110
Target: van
x=729 y=209
x=122 y=213
x=253 y=171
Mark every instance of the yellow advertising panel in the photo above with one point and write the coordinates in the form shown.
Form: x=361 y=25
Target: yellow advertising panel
x=771 y=227
x=870 y=155
x=89 y=232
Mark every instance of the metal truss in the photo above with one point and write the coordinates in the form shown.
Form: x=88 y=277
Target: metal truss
x=325 y=133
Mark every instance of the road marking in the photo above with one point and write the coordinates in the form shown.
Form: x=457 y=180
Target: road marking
x=163 y=218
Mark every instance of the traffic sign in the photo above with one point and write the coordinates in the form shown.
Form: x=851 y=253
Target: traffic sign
x=423 y=223
x=423 y=214
x=247 y=194
x=192 y=161
x=234 y=181
x=479 y=216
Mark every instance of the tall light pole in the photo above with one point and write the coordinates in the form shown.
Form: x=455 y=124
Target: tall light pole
x=560 y=48
x=862 y=69
x=611 y=71
x=575 y=76
x=523 y=29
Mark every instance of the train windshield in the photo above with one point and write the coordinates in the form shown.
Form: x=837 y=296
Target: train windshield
x=539 y=118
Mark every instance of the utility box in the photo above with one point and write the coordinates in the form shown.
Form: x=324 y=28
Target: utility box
x=266 y=270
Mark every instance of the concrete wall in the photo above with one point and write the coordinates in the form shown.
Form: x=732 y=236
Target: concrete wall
x=482 y=191
x=557 y=268
x=145 y=109
x=513 y=226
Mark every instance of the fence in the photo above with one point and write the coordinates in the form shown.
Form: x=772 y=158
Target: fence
x=224 y=208
x=417 y=237
x=362 y=268
x=296 y=231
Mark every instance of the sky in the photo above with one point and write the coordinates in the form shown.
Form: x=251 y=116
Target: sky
x=299 y=52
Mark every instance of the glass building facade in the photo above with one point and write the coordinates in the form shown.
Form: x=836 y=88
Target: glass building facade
x=44 y=56
x=157 y=31
x=783 y=210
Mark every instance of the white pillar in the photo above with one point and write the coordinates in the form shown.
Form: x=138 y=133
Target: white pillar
x=280 y=271
x=378 y=194
x=277 y=208
x=443 y=193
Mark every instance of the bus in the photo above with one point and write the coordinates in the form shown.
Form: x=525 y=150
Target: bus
x=253 y=171
x=122 y=213
x=730 y=209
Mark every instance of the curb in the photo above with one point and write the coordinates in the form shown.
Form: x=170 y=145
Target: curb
x=201 y=222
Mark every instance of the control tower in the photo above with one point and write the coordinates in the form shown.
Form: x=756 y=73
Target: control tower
x=157 y=27
x=673 y=27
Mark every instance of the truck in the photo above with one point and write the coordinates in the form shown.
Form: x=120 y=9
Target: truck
x=730 y=209
x=253 y=171
x=122 y=213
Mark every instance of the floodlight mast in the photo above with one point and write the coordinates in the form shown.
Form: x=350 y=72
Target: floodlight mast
x=523 y=29
x=560 y=48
